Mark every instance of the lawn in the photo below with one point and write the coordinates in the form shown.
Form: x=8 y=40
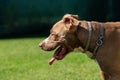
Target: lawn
x=22 y=59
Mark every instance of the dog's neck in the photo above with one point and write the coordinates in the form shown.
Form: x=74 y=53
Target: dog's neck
x=83 y=32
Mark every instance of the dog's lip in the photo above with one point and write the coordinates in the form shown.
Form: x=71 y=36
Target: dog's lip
x=59 y=54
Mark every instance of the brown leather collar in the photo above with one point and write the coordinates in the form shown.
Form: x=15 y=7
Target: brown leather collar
x=99 y=41
x=89 y=37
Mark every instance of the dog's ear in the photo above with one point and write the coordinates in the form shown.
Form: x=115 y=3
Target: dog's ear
x=75 y=16
x=68 y=22
x=70 y=15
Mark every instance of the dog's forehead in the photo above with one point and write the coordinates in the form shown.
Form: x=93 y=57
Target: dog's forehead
x=58 y=27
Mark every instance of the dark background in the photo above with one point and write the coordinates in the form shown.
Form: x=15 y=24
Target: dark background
x=19 y=18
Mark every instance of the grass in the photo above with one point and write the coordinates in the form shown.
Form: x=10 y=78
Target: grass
x=22 y=59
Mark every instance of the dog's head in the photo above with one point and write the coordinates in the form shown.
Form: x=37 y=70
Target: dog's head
x=63 y=36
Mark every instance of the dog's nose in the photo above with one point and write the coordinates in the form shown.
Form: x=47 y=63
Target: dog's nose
x=41 y=45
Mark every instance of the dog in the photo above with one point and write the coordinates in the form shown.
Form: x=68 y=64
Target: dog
x=102 y=40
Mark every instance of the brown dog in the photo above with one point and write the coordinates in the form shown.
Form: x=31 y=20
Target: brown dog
x=70 y=33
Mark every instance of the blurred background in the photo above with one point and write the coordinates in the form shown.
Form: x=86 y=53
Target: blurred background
x=20 y=18
x=25 y=23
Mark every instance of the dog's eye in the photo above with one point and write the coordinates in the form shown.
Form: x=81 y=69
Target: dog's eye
x=53 y=34
x=56 y=35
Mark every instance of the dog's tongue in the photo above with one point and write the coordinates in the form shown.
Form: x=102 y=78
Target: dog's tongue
x=56 y=54
x=51 y=61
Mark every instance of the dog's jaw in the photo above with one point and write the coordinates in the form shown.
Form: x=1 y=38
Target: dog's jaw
x=59 y=54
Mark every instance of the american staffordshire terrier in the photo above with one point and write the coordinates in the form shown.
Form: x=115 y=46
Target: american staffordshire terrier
x=101 y=39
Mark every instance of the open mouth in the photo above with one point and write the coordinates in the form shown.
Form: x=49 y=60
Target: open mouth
x=59 y=54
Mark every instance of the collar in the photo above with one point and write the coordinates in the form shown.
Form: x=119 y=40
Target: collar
x=89 y=36
x=99 y=41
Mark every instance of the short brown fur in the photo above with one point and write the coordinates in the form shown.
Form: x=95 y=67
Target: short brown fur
x=74 y=33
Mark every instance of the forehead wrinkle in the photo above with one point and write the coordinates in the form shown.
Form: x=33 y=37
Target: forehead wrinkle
x=58 y=27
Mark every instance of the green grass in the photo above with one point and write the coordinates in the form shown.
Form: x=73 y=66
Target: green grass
x=22 y=59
